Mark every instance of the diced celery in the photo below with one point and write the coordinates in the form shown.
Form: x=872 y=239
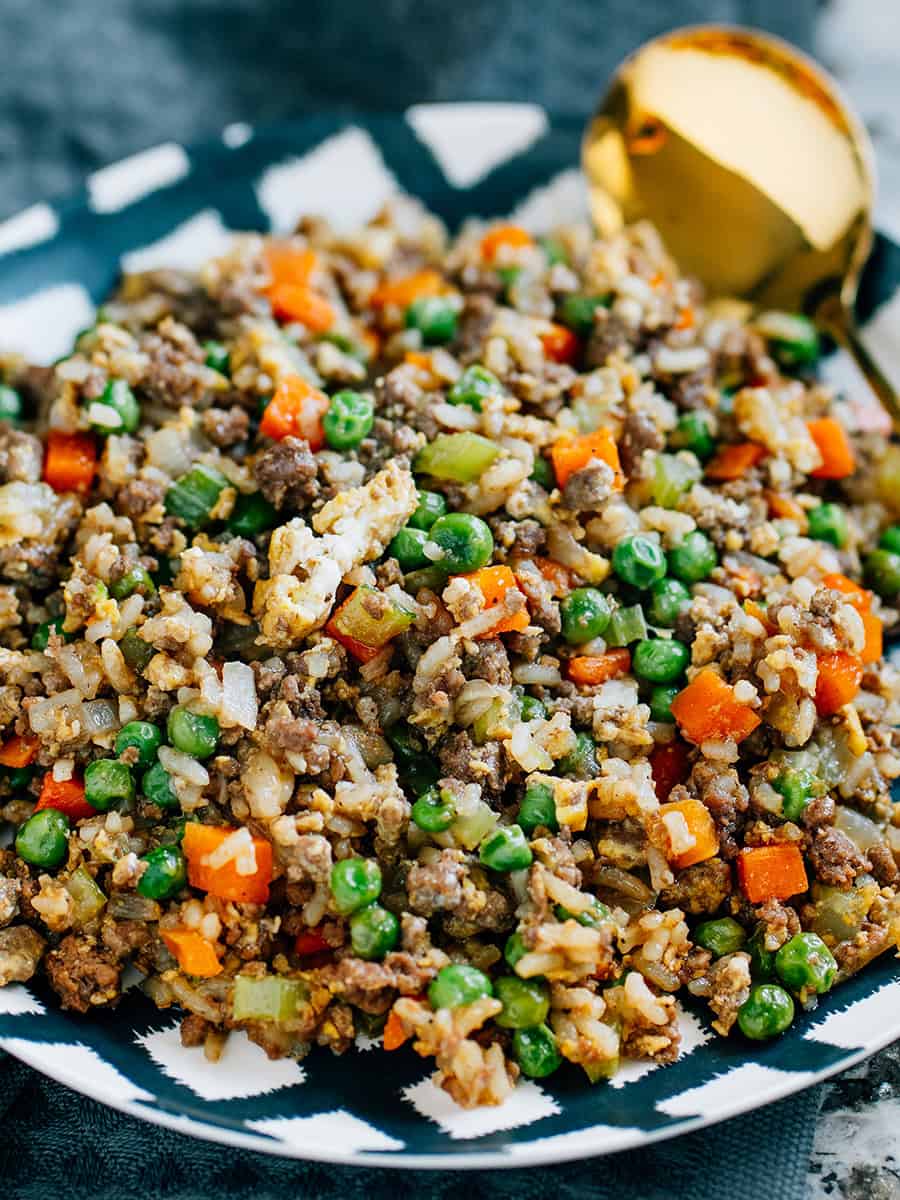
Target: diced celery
x=458 y=456
x=496 y=720
x=601 y=1070
x=626 y=625
x=839 y=913
x=473 y=825
x=86 y=895
x=271 y=998
x=355 y=621
x=673 y=477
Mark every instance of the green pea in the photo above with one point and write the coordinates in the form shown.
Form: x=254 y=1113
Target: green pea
x=536 y=1051
x=349 y=419
x=193 y=733
x=431 y=505
x=592 y=917
x=694 y=558
x=668 y=600
x=661 y=698
x=577 y=312
x=40 y=639
x=797 y=787
x=639 y=561
x=720 y=936
x=660 y=660
x=124 y=410
x=373 y=932
x=475 y=383
x=136 y=652
x=408 y=547
x=514 y=949
x=585 y=615
x=762 y=961
x=252 y=514
x=457 y=985
x=806 y=964
x=693 y=433
x=538 y=808
x=466 y=540
x=581 y=761
x=526 y=1002
x=890 y=539
x=416 y=767
x=165 y=873
x=107 y=782
x=144 y=737
x=434 y=318
x=828 y=523
x=355 y=882
x=554 y=251
x=542 y=473
x=531 y=708
x=157 y=787
x=18 y=778
x=882 y=569
x=217 y=357
x=506 y=849
x=43 y=840
x=434 y=812
x=135 y=579
x=793 y=339
x=767 y=1012
x=10 y=404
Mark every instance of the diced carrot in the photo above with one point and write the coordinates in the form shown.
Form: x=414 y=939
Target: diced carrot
x=70 y=462
x=310 y=942
x=733 y=462
x=407 y=288
x=685 y=319
x=783 y=506
x=559 y=577
x=840 y=675
x=421 y=360
x=360 y=651
x=670 y=764
x=19 y=751
x=874 y=646
x=66 y=796
x=572 y=454
x=494 y=583
x=298 y=302
x=700 y=823
x=707 y=711
x=504 y=235
x=296 y=410
x=752 y=609
x=289 y=264
x=838 y=459
x=195 y=955
x=771 y=872
x=371 y=341
x=560 y=344
x=859 y=597
x=201 y=841
x=394 y=1034
x=590 y=669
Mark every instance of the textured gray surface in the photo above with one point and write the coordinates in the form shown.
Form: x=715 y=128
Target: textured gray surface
x=88 y=82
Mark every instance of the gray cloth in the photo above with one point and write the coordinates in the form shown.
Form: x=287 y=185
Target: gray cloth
x=86 y=83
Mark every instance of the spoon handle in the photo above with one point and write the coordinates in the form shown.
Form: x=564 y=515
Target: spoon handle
x=845 y=332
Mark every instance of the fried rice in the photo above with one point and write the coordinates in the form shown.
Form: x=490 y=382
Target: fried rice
x=475 y=642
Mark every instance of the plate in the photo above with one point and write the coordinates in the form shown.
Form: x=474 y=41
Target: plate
x=174 y=206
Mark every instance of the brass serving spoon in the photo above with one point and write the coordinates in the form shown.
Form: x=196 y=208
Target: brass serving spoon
x=758 y=174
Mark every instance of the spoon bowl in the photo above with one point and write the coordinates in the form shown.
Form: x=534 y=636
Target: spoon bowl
x=753 y=167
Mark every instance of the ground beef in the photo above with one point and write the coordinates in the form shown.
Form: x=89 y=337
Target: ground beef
x=518 y=539
x=399 y=398
x=226 y=426
x=556 y=854
x=20 y=952
x=172 y=377
x=21 y=456
x=588 y=489
x=610 y=334
x=194 y=1029
x=372 y=986
x=481 y=910
x=437 y=886
x=475 y=320
x=835 y=859
x=489 y=661
x=136 y=498
x=690 y=390
x=703 y=888
x=123 y=938
x=9 y=900
x=542 y=607
x=818 y=812
x=780 y=922
x=82 y=975
x=725 y=796
x=286 y=473
x=884 y=866
x=729 y=980
x=544 y=394
x=297 y=735
x=484 y=765
x=639 y=433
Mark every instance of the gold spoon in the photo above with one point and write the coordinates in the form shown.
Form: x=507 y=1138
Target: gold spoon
x=759 y=176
